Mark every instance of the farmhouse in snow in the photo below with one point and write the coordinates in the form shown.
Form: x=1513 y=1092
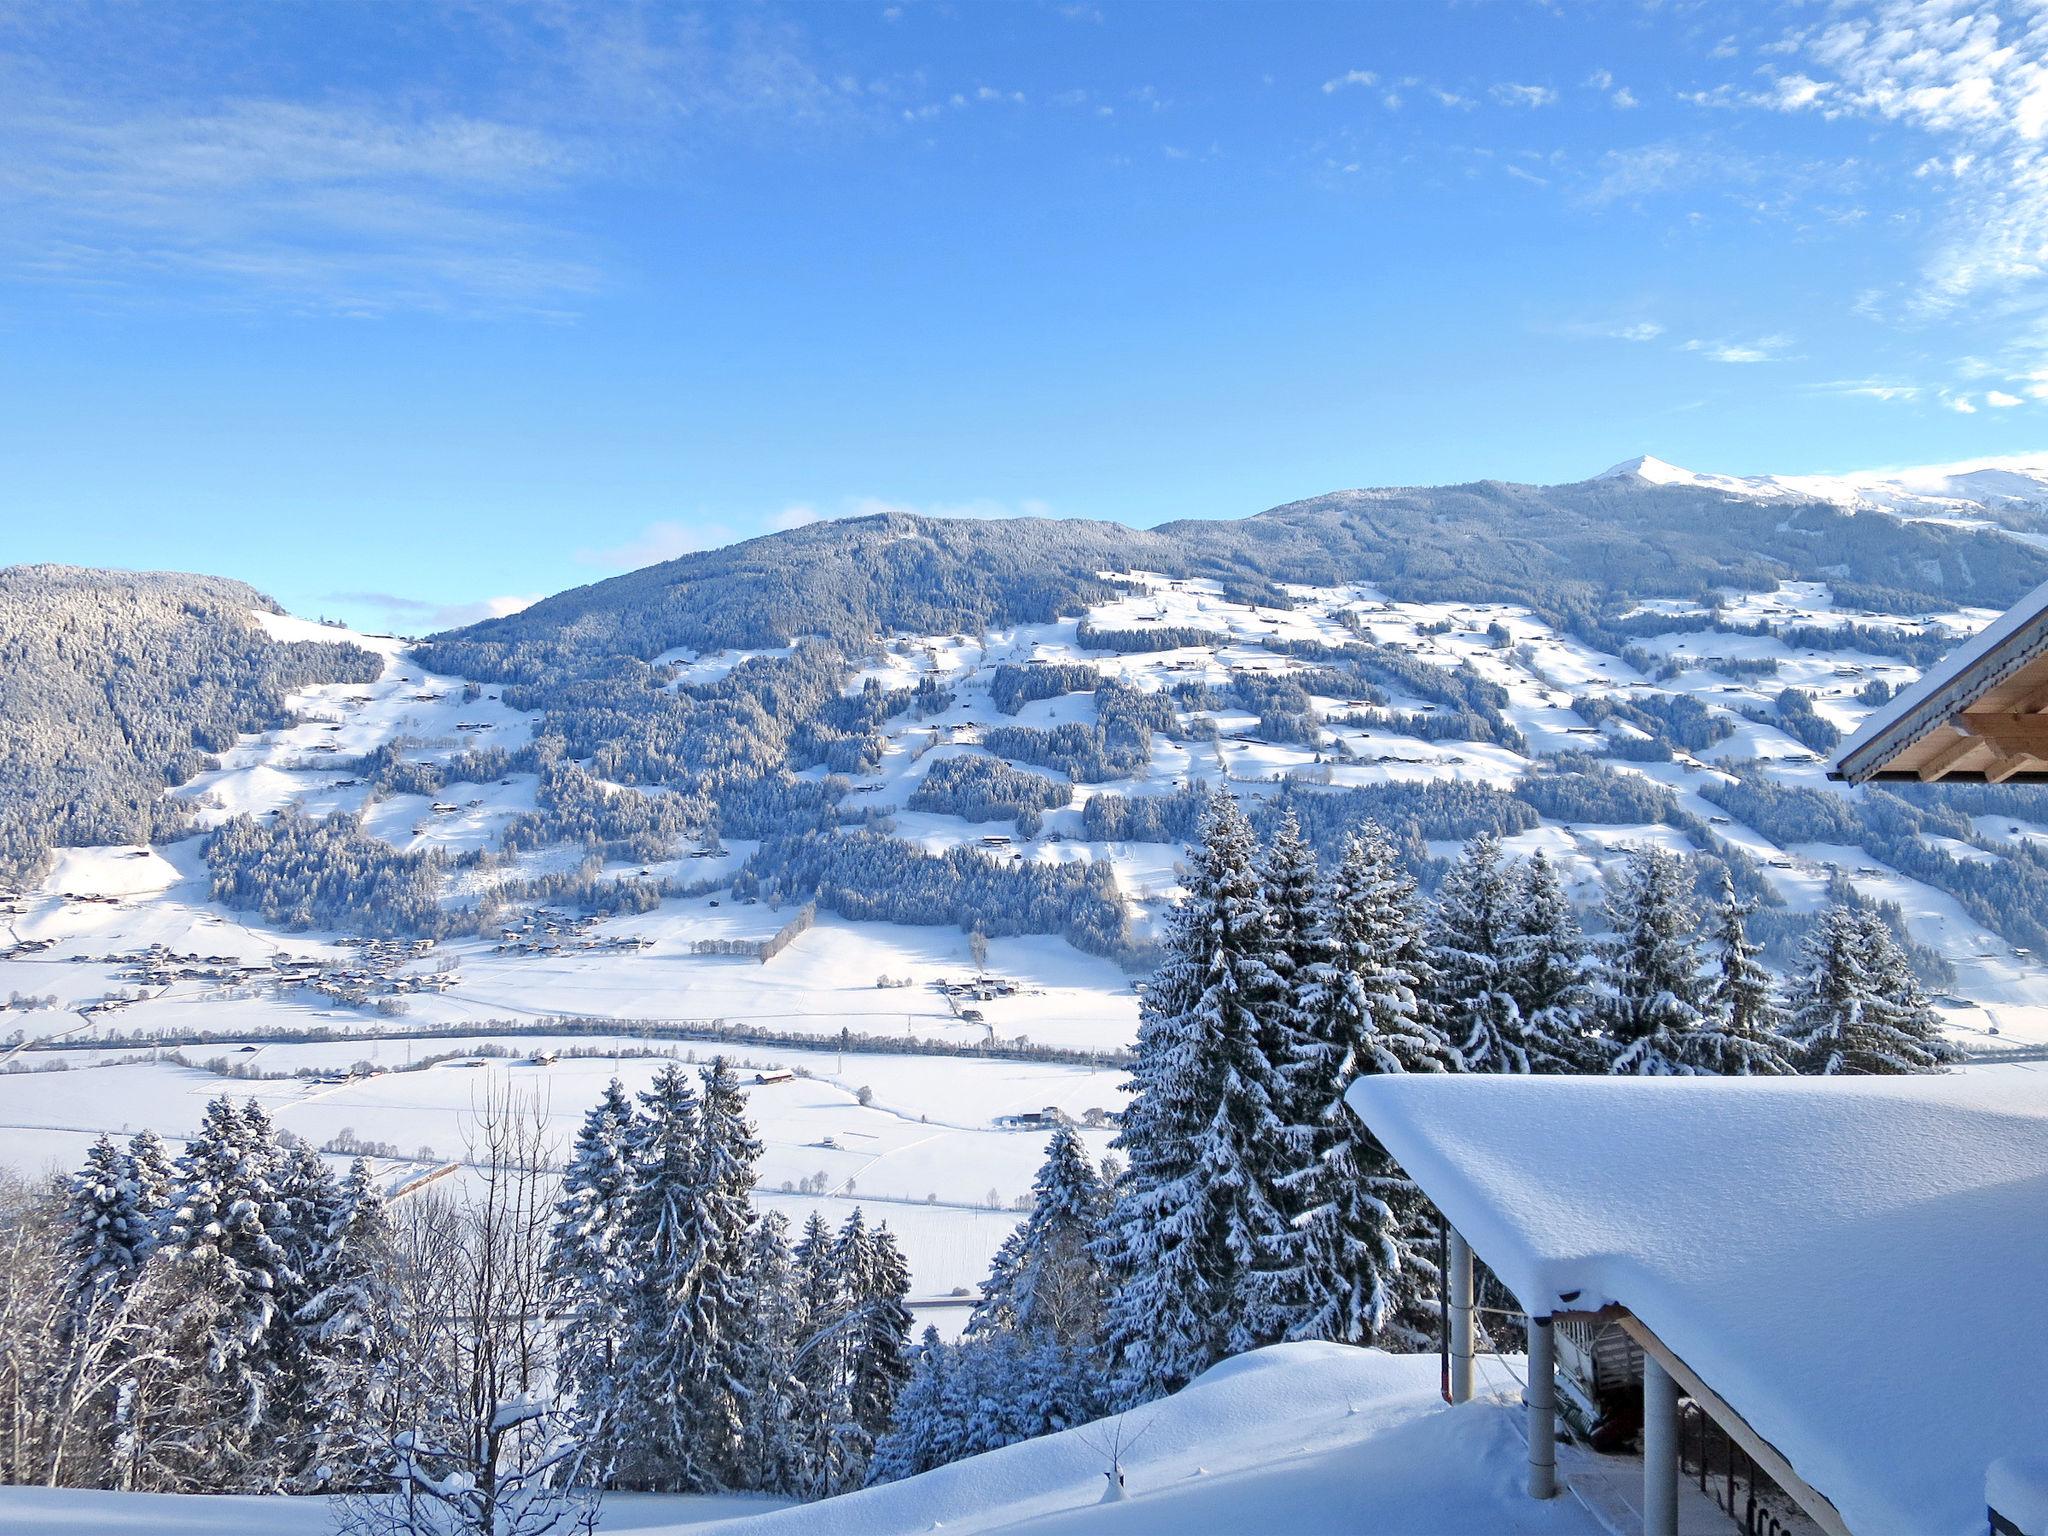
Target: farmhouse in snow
x=1821 y=1292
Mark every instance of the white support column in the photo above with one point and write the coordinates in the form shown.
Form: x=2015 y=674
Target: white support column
x=1660 y=1450
x=1460 y=1293
x=1542 y=1399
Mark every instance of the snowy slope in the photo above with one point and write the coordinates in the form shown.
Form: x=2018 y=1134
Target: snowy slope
x=1302 y=1438
x=1309 y=1439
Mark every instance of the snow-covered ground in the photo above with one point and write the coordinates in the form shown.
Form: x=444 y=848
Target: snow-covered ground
x=1310 y=1439
x=1302 y=1438
x=74 y=1512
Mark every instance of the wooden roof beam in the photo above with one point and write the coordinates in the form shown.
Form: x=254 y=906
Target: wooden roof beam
x=2010 y=763
x=1947 y=757
x=1818 y=1507
x=2026 y=735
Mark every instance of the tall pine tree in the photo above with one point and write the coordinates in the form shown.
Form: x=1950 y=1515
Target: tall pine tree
x=717 y=1320
x=1656 y=998
x=822 y=1401
x=874 y=1280
x=1744 y=1032
x=1356 y=1254
x=591 y=1276
x=204 y=1414
x=1469 y=935
x=1550 y=975
x=1199 y=1227
x=348 y=1323
x=1046 y=1282
x=669 y=1241
x=771 y=1459
x=107 y=1233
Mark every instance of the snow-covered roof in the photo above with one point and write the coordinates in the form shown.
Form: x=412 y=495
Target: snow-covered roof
x=1855 y=1265
x=1962 y=678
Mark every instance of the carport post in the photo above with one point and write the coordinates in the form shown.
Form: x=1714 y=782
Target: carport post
x=1660 y=1450
x=1542 y=1398
x=1459 y=1289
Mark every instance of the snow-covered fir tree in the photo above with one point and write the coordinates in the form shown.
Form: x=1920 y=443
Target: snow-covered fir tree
x=717 y=1320
x=104 y=1241
x=590 y=1270
x=924 y=1432
x=1469 y=934
x=668 y=1239
x=108 y=1234
x=1027 y=1364
x=822 y=1402
x=1199 y=1225
x=874 y=1280
x=1046 y=1281
x=1856 y=1006
x=1743 y=1035
x=154 y=1177
x=308 y=1204
x=1358 y=1256
x=1655 y=1001
x=771 y=1459
x=201 y=1414
x=1291 y=879
x=1550 y=974
x=347 y=1323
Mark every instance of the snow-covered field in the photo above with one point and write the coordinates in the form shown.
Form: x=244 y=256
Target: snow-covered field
x=928 y=1146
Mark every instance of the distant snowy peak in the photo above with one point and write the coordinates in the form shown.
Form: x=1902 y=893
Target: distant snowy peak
x=2018 y=483
x=1648 y=467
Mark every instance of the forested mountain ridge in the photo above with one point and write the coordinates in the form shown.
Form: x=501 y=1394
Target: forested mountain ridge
x=115 y=685
x=1572 y=552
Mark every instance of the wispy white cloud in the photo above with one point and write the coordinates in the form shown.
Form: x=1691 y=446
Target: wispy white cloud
x=1961 y=404
x=1764 y=349
x=1974 y=78
x=1509 y=94
x=1350 y=77
x=2000 y=399
x=160 y=184
x=1868 y=389
x=350 y=205
x=1615 y=330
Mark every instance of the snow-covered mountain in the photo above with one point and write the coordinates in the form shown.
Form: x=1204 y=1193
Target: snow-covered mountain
x=2009 y=493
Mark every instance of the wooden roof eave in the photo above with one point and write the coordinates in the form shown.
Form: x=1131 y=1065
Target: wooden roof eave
x=1993 y=700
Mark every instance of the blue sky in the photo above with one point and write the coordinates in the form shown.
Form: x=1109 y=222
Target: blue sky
x=407 y=313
